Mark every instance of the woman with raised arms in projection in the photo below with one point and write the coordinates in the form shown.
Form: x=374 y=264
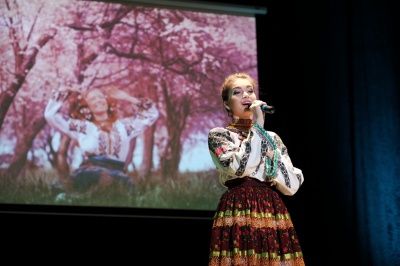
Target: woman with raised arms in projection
x=94 y=125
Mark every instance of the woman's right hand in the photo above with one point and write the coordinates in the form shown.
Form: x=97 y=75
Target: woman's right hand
x=117 y=94
x=121 y=95
x=66 y=89
x=259 y=115
x=63 y=93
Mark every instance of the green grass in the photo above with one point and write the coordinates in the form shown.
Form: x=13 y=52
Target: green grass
x=188 y=191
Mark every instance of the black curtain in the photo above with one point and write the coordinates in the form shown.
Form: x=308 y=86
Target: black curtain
x=363 y=126
x=335 y=65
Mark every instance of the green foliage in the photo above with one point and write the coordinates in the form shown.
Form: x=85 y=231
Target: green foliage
x=187 y=191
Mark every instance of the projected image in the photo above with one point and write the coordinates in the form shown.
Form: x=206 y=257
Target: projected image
x=109 y=104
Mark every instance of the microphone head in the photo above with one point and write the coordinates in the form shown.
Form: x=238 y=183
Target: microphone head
x=268 y=109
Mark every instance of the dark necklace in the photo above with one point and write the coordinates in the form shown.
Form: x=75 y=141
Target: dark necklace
x=241 y=124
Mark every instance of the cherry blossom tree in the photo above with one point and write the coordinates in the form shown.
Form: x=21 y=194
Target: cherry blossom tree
x=178 y=58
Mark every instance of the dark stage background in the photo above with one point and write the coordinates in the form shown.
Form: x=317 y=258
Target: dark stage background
x=331 y=70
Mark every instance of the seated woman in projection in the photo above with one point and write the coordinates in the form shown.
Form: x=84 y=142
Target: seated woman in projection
x=94 y=125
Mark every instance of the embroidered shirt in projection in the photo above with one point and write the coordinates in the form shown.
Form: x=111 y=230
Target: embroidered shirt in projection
x=92 y=140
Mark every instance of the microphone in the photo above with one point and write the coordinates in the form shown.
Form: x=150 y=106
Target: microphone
x=265 y=108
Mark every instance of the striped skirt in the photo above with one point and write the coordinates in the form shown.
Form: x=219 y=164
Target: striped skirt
x=252 y=226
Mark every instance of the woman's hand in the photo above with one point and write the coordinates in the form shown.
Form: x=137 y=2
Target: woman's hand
x=270 y=154
x=63 y=93
x=121 y=95
x=67 y=89
x=117 y=94
x=255 y=107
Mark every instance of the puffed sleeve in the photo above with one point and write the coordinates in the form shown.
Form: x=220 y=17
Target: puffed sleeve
x=287 y=178
x=146 y=117
x=63 y=123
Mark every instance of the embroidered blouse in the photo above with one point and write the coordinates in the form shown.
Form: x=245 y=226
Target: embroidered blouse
x=238 y=153
x=92 y=140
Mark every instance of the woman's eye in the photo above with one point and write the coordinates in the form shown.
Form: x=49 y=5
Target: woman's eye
x=236 y=92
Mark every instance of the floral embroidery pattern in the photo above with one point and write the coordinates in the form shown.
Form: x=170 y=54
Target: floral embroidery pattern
x=280 y=145
x=220 y=147
x=128 y=126
x=103 y=143
x=285 y=174
x=73 y=126
x=116 y=142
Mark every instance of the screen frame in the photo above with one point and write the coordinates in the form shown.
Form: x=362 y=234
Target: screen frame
x=259 y=12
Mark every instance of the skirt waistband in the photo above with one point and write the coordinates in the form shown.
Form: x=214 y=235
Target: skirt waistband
x=245 y=182
x=105 y=162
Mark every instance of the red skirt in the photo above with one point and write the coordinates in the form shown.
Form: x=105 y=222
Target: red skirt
x=252 y=226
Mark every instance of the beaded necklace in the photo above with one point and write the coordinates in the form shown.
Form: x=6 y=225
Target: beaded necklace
x=271 y=167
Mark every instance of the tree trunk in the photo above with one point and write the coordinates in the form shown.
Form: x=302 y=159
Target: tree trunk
x=62 y=164
x=129 y=157
x=24 y=143
x=147 y=163
x=171 y=157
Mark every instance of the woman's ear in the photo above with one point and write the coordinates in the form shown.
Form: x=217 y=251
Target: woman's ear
x=226 y=105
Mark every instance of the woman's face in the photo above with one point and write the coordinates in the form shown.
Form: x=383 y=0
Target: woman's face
x=96 y=101
x=241 y=94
